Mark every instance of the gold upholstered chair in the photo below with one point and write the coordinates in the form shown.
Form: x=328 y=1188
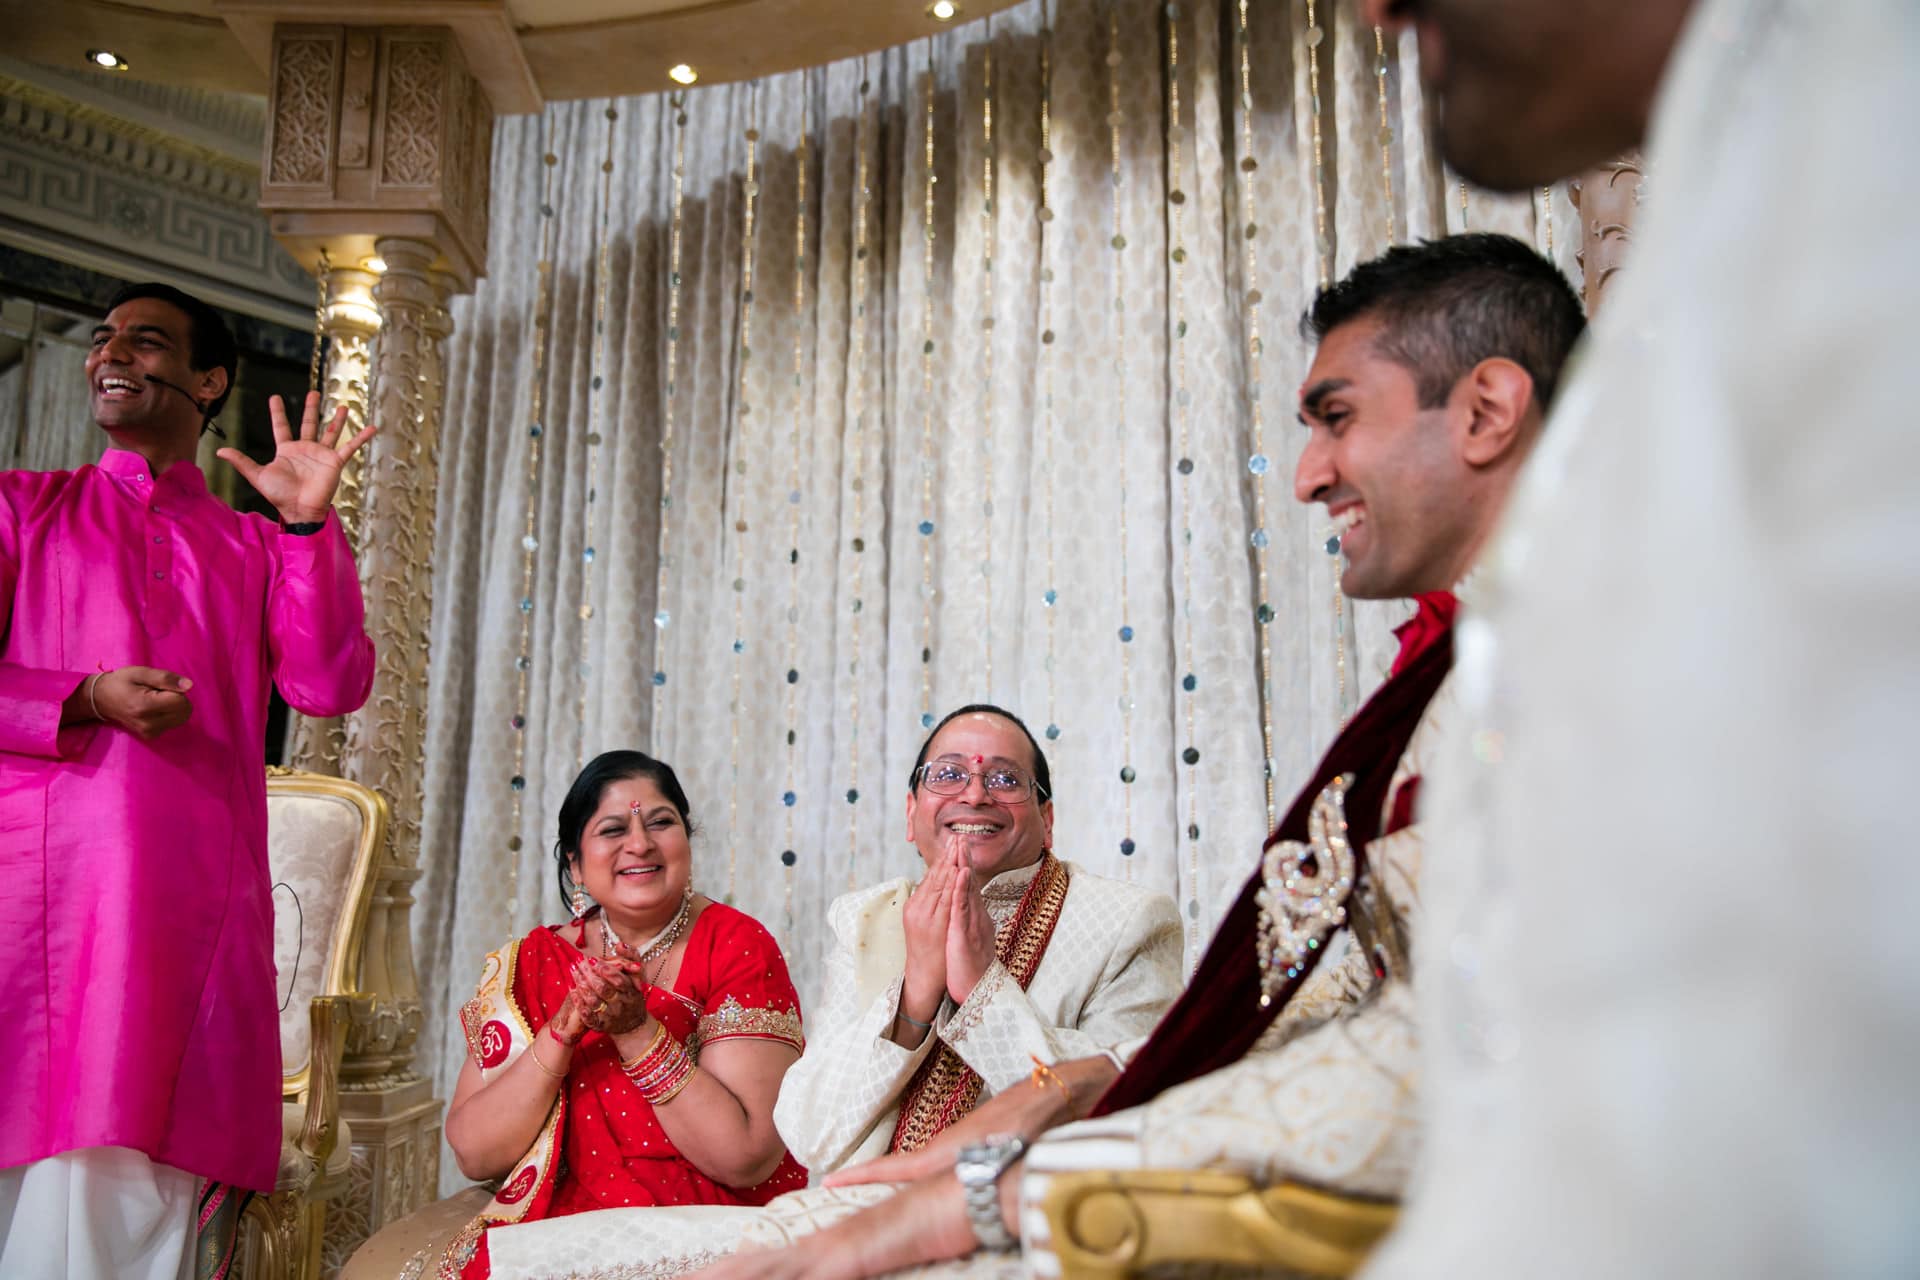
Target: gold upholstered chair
x=323 y=835
x=1107 y=1225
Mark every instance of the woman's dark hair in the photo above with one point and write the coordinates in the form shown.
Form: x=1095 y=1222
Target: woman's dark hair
x=1042 y=776
x=583 y=798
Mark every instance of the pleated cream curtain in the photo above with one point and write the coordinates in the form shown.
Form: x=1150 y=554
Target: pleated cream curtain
x=805 y=461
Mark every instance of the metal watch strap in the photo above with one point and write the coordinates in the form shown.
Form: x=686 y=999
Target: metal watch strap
x=978 y=1169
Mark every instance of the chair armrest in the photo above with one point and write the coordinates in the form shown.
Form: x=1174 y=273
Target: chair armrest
x=1112 y=1223
x=329 y=1018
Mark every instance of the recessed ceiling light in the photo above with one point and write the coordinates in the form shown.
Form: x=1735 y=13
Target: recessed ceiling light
x=943 y=10
x=106 y=60
x=682 y=74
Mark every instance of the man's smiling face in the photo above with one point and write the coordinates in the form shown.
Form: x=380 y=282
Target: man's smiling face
x=1001 y=834
x=1384 y=467
x=141 y=337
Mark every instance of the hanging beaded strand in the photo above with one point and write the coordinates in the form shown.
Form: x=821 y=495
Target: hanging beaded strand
x=928 y=178
x=791 y=796
x=1117 y=322
x=663 y=564
x=1049 y=596
x=988 y=167
x=1385 y=136
x=1257 y=464
x=750 y=191
x=596 y=381
x=1183 y=469
x=1323 y=259
x=530 y=496
x=857 y=383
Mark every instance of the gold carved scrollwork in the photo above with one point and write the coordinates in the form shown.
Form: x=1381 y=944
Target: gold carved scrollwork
x=1608 y=199
x=349 y=322
x=384 y=742
x=302 y=144
x=416 y=74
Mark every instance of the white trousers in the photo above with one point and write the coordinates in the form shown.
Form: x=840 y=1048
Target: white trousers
x=99 y=1213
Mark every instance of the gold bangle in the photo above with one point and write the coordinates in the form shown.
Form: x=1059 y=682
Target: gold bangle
x=1044 y=1075
x=628 y=1064
x=533 y=1051
x=674 y=1090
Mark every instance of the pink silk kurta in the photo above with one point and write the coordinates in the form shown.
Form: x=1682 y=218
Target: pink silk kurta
x=137 y=993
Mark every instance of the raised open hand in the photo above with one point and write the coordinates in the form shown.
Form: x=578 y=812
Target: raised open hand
x=305 y=471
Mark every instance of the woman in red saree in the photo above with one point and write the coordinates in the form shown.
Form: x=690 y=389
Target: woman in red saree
x=631 y=1056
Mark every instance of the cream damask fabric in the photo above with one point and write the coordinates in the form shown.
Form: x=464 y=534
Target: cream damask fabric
x=1110 y=970
x=860 y=438
x=311 y=843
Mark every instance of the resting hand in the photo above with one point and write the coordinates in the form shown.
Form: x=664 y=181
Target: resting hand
x=925 y=1222
x=145 y=701
x=305 y=471
x=1025 y=1108
x=970 y=930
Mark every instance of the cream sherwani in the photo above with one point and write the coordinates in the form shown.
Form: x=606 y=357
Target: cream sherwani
x=1674 y=975
x=1109 y=972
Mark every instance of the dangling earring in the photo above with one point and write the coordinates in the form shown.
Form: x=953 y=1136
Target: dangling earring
x=579 y=902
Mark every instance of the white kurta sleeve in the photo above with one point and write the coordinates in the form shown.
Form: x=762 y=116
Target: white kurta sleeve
x=851 y=1076
x=998 y=1031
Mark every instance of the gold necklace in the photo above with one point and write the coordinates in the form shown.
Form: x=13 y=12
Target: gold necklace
x=660 y=944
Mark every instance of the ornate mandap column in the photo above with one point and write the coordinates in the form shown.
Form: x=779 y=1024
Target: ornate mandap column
x=1608 y=199
x=379 y=147
x=349 y=322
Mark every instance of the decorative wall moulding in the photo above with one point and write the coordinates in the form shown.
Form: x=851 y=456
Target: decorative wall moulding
x=122 y=198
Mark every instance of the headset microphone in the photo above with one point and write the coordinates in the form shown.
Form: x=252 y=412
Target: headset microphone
x=206 y=418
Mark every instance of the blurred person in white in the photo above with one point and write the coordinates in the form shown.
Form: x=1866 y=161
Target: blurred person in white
x=1672 y=971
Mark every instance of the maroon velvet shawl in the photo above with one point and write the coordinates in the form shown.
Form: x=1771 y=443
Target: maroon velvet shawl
x=1218 y=1017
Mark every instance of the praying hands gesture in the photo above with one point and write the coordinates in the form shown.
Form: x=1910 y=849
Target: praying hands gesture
x=612 y=994
x=305 y=471
x=949 y=934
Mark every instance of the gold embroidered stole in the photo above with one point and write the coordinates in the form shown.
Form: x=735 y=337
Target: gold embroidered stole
x=945 y=1088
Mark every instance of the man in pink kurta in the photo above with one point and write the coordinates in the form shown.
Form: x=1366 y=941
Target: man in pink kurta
x=142 y=621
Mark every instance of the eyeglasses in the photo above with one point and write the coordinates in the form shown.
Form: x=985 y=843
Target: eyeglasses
x=1003 y=782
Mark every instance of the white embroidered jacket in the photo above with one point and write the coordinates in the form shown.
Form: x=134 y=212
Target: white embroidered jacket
x=1328 y=1095
x=1110 y=970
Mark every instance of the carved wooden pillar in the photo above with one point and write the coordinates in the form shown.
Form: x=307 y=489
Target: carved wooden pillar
x=349 y=322
x=1608 y=199
x=379 y=147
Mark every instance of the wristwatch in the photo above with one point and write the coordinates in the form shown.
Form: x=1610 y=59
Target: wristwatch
x=978 y=1169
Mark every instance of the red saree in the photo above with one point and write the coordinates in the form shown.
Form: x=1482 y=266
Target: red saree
x=602 y=1147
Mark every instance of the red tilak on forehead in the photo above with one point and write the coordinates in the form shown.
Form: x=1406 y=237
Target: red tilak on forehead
x=979 y=759
x=634 y=808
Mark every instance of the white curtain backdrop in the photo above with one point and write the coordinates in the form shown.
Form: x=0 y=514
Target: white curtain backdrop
x=764 y=466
